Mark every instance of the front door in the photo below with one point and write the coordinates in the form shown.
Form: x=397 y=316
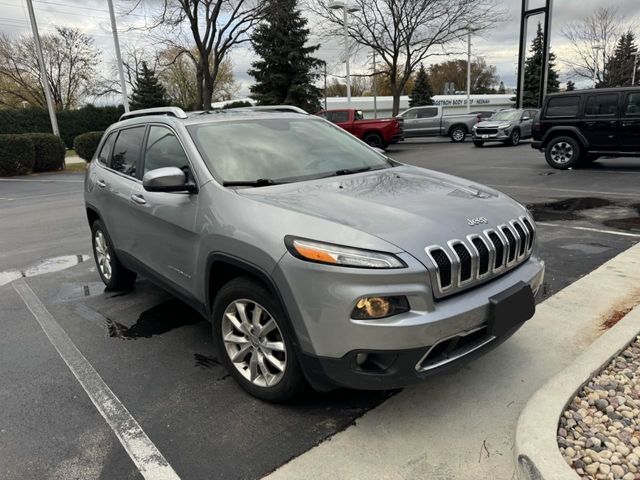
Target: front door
x=428 y=122
x=166 y=240
x=600 y=120
x=630 y=123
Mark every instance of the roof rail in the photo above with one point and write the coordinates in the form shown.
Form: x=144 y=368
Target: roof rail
x=171 y=111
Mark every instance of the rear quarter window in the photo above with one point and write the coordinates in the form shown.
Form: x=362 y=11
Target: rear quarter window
x=107 y=148
x=126 y=152
x=563 y=107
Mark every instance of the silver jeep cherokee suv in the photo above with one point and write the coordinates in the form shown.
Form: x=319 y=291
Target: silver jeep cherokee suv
x=315 y=257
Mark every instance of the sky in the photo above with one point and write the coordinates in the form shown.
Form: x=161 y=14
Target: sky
x=498 y=47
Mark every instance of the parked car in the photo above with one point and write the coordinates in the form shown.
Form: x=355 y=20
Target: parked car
x=482 y=115
x=578 y=127
x=431 y=122
x=378 y=133
x=316 y=258
x=506 y=126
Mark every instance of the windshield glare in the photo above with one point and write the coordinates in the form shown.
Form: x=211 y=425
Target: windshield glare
x=508 y=115
x=280 y=149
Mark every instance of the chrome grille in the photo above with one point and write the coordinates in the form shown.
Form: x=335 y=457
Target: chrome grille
x=463 y=263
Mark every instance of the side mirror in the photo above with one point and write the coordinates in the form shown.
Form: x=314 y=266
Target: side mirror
x=524 y=119
x=167 y=179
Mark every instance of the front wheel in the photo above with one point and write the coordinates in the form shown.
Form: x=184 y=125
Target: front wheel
x=478 y=143
x=254 y=342
x=114 y=275
x=563 y=153
x=458 y=134
x=514 y=138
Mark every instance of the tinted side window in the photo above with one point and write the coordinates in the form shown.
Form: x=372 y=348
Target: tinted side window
x=410 y=114
x=338 y=117
x=163 y=150
x=126 y=151
x=427 y=112
x=632 y=105
x=107 y=148
x=563 y=107
x=603 y=104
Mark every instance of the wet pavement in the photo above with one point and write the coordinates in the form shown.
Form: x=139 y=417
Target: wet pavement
x=155 y=352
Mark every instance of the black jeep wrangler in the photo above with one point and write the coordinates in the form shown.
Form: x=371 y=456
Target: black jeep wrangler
x=578 y=127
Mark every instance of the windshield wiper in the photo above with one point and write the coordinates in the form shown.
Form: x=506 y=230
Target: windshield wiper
x=260 y=182
x=349 y=171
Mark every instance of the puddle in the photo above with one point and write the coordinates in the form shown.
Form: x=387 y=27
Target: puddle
x=586 y=248
x=54 y=264
x=157 y=320
x=566 y=209
x=630 y=224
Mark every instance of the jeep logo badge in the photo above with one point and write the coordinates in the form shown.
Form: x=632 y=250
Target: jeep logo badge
x=476 y=221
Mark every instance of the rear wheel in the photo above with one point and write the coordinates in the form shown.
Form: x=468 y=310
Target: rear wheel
x=374 y=140
x=478 y=143
x=458 y=134
x=254 y=342
x=114 y=275
x=563 y=153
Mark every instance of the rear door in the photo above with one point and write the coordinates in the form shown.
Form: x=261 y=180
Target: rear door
x=630 y=123
x=600 y=120
x=165 y=240
x=115 y=182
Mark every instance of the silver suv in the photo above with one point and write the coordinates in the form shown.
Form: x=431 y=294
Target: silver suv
x=315 y=257
x=507 y=126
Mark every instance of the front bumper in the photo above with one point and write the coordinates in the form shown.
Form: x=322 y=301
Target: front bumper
x=500 y=136
x=320 y=298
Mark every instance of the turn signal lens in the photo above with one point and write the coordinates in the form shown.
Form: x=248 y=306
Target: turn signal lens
x=379 y=307
x=319 y=252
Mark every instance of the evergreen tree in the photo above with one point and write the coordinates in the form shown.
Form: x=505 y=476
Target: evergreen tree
x=570 y=86
x=618 y=70
x=533 y=72
x=501 y=89
x=422 y=91
x=147 y=92
x=286 y=71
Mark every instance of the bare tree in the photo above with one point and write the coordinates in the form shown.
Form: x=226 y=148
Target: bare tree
x=70 y=61
x=215 y=27
x=592 y=40
x=405 y=33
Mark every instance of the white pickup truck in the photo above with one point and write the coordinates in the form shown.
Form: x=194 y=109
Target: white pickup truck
x=429 y=121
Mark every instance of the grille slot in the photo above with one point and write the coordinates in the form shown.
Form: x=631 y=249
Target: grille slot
x=499 y=248
x=523 y=238
x=529 y=228
x=444 y=267
x=465 y=261
x=483 y=252
x=511 y=240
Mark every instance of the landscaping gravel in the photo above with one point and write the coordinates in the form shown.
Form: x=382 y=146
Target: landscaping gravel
x=599 y=432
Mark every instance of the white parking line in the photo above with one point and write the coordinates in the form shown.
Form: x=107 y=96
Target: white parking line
x=147 y=458
x=588 y=229
x=39 y=180
x=567 y=190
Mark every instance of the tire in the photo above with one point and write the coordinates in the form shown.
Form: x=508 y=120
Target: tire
x=478 y=143
x=278 y=376
x=114 y=275
x=373 y=140
x=458 y=134
x=563 y=153
x=514 y=138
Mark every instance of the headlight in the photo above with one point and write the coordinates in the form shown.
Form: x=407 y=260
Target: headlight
x=503 y=127
x=328 y=253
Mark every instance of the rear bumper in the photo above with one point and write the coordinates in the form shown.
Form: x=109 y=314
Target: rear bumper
x=397 y=138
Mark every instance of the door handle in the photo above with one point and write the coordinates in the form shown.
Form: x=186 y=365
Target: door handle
x=139 y=199
x=101 y=183
x=590 y=124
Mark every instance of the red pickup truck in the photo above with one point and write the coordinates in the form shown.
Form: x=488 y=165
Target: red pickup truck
x=379 y=132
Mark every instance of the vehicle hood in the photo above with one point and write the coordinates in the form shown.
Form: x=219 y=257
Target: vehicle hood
x=493 y=124
x=409 y=207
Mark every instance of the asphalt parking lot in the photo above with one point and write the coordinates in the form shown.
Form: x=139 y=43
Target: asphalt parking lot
x=155 y=354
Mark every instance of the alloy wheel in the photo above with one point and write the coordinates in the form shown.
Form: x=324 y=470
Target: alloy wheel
x=458 y=135
x=561 y=153
x=254 y=342
x=103 y=256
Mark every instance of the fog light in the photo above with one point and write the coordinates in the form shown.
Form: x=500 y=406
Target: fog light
x=361 y=358
x=379 y=307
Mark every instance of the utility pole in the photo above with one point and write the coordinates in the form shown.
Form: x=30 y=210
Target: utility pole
x=375 y=88
x=635 y=67
x=469 y=71
x=43 y=71
x=337 y=5
x=325 y=85
x=114 y=29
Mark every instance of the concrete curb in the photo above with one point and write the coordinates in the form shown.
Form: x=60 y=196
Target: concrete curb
x=536 y=447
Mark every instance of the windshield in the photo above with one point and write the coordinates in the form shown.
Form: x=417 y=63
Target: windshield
x=508 y=115
x=281 y=150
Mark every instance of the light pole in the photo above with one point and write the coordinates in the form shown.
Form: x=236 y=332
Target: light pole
x=597 y=48
x=337 y=5
x=635 y=66
x=114 y=29
x=469 y=30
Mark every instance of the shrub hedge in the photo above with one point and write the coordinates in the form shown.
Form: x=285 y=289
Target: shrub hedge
x=86 y=144
x=17 y=155
x=71 y=122
x=49 y=151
